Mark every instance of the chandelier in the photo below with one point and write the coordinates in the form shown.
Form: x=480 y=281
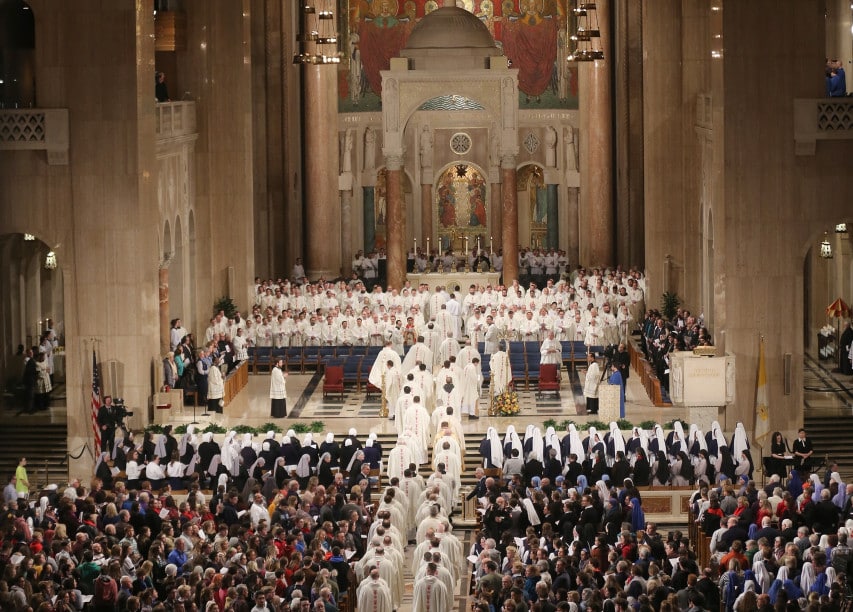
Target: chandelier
x=50 y=261
x=318 y=38
x=841 y=228
x=587 y=37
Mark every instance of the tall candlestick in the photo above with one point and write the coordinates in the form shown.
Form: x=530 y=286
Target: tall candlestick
x=427 y=245
x=416 y=246
x=491 y=245
x=478 y=245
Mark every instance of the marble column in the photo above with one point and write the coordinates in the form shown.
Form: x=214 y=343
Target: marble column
x=426 y=214
x=320 y=153
x=165 y=328
x=510 y=218
x=346 y=232
x=396 y=225
x=573 y=229
x=369 y=218
x=553 y=218
x=596 y=156
x=497 y=217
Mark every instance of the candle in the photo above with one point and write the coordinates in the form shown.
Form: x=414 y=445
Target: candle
x=491 y=245
x=427 y=245
x=39 y=333
x=416 y=246
x=478 y=245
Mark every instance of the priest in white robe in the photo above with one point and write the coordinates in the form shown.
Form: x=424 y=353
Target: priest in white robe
x=472 y=382
x=380 y=365
x=466 y=354
x=449 y=348
x=501 y=372
x=430 y=594
x=551 y=352
x=399 y=459
x=419 y=353
x=374 y=594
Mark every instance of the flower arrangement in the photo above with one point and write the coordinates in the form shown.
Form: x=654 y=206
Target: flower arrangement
x=506 y=403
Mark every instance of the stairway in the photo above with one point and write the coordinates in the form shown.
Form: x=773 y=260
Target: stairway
x=831 y=435
x=43 y=444
x=472 y=455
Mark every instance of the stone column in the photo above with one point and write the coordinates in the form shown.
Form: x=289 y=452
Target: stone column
x=396 y=222
x=573 y=231
x=426 y=214
x=346 y=232
x=596 y=158
x=369 y=218
x=165 y=328
x=510 y=218
x=497 y=216
x=553 y=218
x=320 y=153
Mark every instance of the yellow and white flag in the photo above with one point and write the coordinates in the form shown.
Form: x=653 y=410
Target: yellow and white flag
x=762 y=411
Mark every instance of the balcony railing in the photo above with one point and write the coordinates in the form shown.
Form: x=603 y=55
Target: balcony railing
x=175 y=120
x=821 y=119
x=29 y=129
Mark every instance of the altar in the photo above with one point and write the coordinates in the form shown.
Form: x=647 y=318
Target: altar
x=450 y=280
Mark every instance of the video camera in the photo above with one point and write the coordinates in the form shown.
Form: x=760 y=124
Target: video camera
x=609 y=353
x=120 y=411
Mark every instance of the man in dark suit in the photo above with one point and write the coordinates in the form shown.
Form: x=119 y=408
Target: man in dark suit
x=107 y=423
x=29 y=379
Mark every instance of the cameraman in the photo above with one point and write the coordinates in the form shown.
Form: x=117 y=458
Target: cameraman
x=622 y=360
x=107 y=422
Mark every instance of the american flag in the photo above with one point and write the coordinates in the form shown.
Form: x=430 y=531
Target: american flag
x=96 y=401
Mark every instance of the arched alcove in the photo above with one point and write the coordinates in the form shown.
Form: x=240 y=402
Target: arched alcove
x=826 y=279
x=532 y=205
x=31 y=301
x=461 y=205
x=177 y=272
x=17 y=55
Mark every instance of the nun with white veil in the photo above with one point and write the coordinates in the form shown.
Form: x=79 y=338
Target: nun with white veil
x=552 y=441
x=715 y=439
x=676 y=442
x=188 y=444
x=512 y=441
x=593 y=442
x=807 y=576
x=657 y=442
x=762 y=576
x=639 y=439
x=615 y=443
x=528 y=440
x=495 y=456
x=303 y=470
x=279 y=473
x=213 y=468
x=740 y=442
x=538 y=443
x=840 y=498
x=530 y=510
x=695 y=442
x=575 y=443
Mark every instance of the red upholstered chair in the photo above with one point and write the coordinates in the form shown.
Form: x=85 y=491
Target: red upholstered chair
x=549 y=379
x=334 y=380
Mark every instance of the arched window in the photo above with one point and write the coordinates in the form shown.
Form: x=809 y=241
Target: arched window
x=17 y=54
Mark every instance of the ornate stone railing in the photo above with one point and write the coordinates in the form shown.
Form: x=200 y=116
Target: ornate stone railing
x=175 y=120
x=821 y=119
x=29 y=129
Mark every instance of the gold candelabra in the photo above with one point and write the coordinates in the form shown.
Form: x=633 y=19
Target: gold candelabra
x=383 y=402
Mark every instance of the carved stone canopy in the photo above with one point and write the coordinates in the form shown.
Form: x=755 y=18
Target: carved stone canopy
x=450 y=37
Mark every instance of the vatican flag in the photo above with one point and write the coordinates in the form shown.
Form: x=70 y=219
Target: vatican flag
x=762 y=413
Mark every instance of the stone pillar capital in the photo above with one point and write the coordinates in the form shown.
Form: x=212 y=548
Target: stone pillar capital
x=394 y=161
x=166 y=260
x=508 y=161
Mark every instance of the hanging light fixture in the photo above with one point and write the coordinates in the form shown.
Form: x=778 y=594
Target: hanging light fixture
x=318 y=39
x=841 y=228
x=587 y=35
x=825 y=248
x=50 y=261
x=29 y=237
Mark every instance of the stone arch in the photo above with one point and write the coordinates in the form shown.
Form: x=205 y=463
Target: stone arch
x=190 y=278
x=167 y=245
x=30 y=294
x=532 y=204
x=177 y=273
x=825 y=280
